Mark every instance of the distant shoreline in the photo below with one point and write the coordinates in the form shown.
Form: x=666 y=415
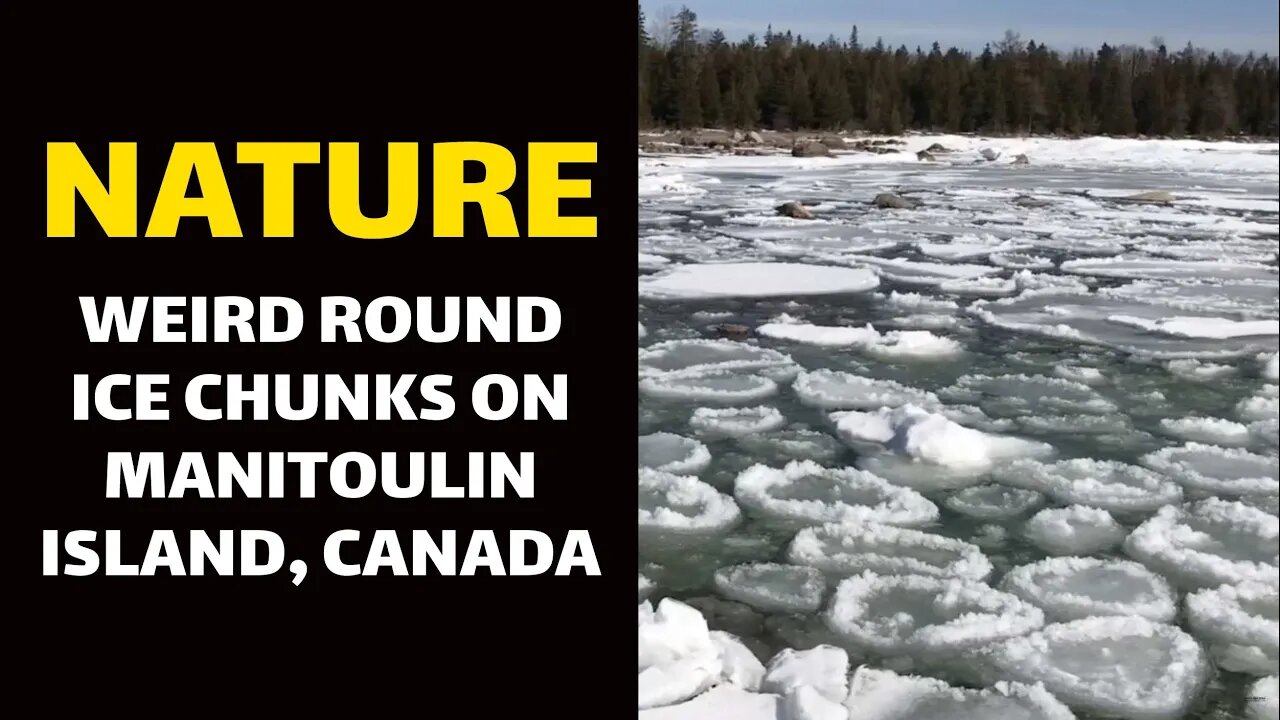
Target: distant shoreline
x=730 y=141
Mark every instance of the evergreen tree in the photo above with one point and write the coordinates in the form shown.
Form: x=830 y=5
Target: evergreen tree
x=688 y=80
x=686 y=68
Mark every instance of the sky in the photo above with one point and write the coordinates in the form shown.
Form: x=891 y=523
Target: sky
x=1238 y=25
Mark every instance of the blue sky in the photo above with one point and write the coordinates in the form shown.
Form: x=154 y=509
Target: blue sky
x=1239 y=25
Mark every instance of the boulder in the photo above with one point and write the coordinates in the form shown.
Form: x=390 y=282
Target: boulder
x=835 y=142
x=1151 y=197
x=988 y=154
x=809 y=149
x=937 y=148
x=925 y=156
x=795 y=210
x=1021 y=159
x=894 y=201
x=753 y=137
x=1030 y=202
x=731 y=330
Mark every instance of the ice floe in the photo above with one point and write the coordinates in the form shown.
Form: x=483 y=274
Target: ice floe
x=673 y=453
x=1106 y=484
x=1070 y=588
x=1213 y=431
x=1082 y=375
x=915 y=302
x=646 y=586
x=1213 y=328
x=1270 y=366
x=691 y=357
x=1212 y=469
x=1240 y=622
x=1263 y=699
x=824 y=668
x=806 y=493
x=924 y=617
x=736 y=422
x=878 y=694
x=675 y=509
x=828 y=336
x=773 y=587
x=839 y=549
x=806 y=703
x=904 y=344
x=994 y=501
x=927 y=451
x=723 y=387
x=1209 y=543
x=1028 y=394
x=1198 y=370
x=1263 y=406
x=720 y=280
x=1128 y=667
x=677 y=656
x=834 y=389
x=723 y=702
x=988 y=287
x=1073 y=530
x=1147 y=268
x=793 y=442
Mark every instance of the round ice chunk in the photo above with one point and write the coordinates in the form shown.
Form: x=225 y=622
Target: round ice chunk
x=1217 y=470
x=1198 y=370
x=1270 y=365
x=925 y=617
x=689 y=357
x=822 y=335
x=1080 y=374
x=1029 y=394
x=799 y=443
x=994 y=501
x=725 y=387
x=679 y=508
x=1106 y=484
x=755 y=279
x=672 y=453
x=1264 y=405
x=772 y=587
x=1069 y=588
x=804 y=492
x=832 y=389
x=1263 y=699
x=876 y=694
x=1241 y=624
x=1112 y=666
x=1215 y=431
x=850 y=549
x=914 y=345
x=736 y=422
x=1209 y=543
x=1073 y=530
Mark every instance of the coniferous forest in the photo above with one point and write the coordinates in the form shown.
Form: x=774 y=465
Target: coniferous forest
x=690 y=77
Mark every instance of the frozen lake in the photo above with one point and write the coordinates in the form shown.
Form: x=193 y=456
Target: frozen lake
x=1009 y=452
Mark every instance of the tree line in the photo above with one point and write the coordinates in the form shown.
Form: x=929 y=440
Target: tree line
x=692 y=78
